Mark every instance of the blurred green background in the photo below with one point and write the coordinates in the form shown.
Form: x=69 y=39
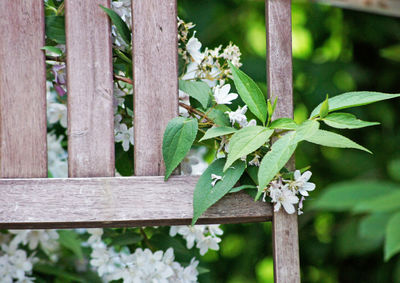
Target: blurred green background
x=334 y=51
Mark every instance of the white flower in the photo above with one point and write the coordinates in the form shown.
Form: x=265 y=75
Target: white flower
x=222 y=95
x=301 y=182
x=125 y=136
x=56 y=156
x=191 y=234
x=284 y=197
x=95 y=235
x=48 y=239
x=207 y=243
x=249 y=124
x=193 y=46
x=215 y=230
x=255 y=161
x=215 y=179
x=238 y=115
x=57 y=112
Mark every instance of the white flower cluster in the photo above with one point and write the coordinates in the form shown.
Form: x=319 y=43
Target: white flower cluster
x=141 y=266
x=56 y=157
x=211 y=65
x=15 y=264
x=284 y=192
x=205 y=236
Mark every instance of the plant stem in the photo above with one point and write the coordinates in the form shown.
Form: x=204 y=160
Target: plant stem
x=146 y=240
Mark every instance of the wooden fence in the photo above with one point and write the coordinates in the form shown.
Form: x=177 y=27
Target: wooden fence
x=91 y=196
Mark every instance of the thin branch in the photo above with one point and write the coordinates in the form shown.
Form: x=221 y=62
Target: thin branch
x=123 y=79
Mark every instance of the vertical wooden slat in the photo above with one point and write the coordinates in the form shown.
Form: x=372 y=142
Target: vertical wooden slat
x=155 y=71
x=279 y=78
x=90 y=89
x=23 y=151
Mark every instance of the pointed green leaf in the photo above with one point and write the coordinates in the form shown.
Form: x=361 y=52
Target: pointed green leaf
x=330 y=139
x=342 y=196
x=121 y=26
x=305 y=130
x=178 y=139
x=275 y=159
x=217 y=132
x=250 y=93
x=205 y=195
x=324 y=108
x=346 y=121
x=245 y=141
x=392 y=240
x=283 y=124
x=382 y=203
x=198 y=90
x=353 y=99
x=53 y=49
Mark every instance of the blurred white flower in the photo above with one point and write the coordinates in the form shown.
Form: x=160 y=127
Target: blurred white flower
x=57 y=112
x=222 y=95
x=255 y=161
x=125 y=136
x=238 y=115
x=193 y=46
x=47 y=239
x=301 y=182
x=208 y=243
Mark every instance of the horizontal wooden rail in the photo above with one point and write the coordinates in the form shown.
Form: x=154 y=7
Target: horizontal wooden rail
x=115 y=202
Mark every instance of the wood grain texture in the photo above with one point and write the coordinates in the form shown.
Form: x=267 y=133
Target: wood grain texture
x=90 y=89
x=384 y=7
x=280 y=85
x=155 y=72
x=23 y=151
x=115 y=202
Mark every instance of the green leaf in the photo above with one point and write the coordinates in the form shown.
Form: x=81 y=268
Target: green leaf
x=53 y=49
x=284 y=124
x=55 y=28
x=382 y=203
x=245 y=141
x=217 y=131
x=178 y=139
x=330 y=139
x=198 y=90
x=219 y=117
x=121 y=26
x=324 y=108
x=250 y=93
x=373 y=226
x=205 y=195
x=243 y=187
x=353 y=99
x=306 y=130
x=69 y=240
x=58 y=272
x=275 y=159
x=128 y=238
x=343 y=196
x=346 y=121
x=392 y=240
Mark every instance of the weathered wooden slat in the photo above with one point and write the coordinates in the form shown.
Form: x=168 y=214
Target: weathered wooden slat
x=114 y=202
x=384 y=7
x=279 y=78
x=23 y=151
x=155 y=72
x=90 y=89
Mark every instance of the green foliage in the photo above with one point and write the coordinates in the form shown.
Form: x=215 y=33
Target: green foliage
x=353 y=99
x=283 y=124
x=53 y=49
x=346 y=121
x=245 y=141
x=274 y=160
x=69 y=240
x=178 y=139
x=250 y=93
x=198 y=90
x=392 y=243
x=205 y=194
x=324 y=110
x=122 y=28
x=331 y=139
x=55 y=28
x=218 y=131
